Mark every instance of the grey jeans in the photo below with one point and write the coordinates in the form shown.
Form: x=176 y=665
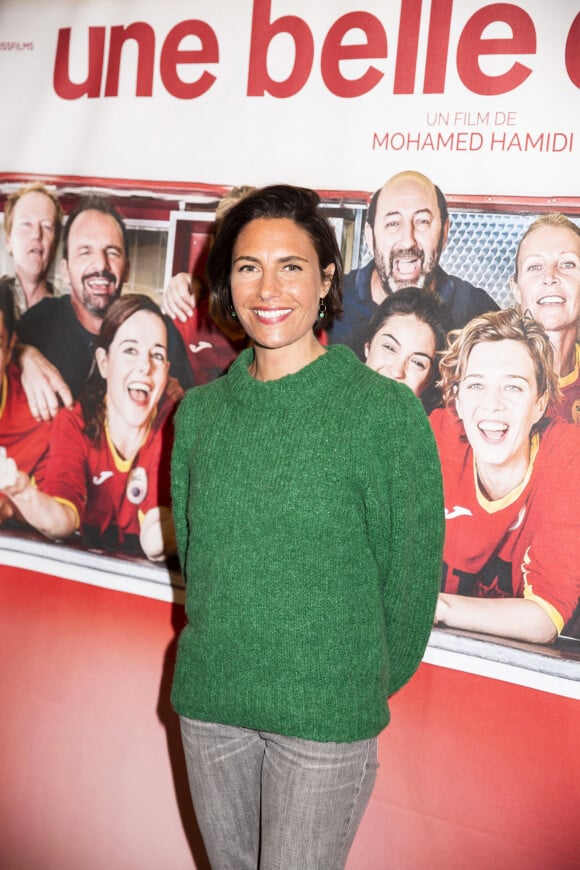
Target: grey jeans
x=276 y=803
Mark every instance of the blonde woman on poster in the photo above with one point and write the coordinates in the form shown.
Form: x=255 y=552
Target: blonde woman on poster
x=510 y=476
x=547 y=284
x=32 y=225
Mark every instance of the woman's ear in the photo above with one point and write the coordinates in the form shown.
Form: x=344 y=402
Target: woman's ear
x=102 y=361
x=541 y=405
x=327 y=276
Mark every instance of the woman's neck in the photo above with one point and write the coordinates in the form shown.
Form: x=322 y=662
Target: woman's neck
x=34 y=289
x=126 y=439
x=497 y=481
x=564 y=343
x=271 y=364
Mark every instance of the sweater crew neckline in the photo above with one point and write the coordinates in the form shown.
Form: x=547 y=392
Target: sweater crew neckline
x=296 y=388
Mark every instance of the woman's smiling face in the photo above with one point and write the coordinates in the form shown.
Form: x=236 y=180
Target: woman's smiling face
x=498 y=402
x=136 y=367
x=403 y=349
x=276 y=283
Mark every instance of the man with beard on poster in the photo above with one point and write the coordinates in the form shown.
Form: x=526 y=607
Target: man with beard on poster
x=64 y=329
x=407 y=228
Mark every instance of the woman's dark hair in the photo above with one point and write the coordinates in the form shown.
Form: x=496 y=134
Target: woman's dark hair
x=92 y=398
x=427 y=307
x=8 y=307
x=298 y=204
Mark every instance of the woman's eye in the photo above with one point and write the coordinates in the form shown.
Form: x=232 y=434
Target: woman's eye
x=158 y=356
x=130 y=351
x=293 y=267
x=389 y=347
x=420 y=363
x=474 y=385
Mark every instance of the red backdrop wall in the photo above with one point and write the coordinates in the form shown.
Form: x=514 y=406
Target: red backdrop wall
x=474 y=772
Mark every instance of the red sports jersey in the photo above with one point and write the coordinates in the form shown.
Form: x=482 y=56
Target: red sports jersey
x=523 y=545
x=109 y=494
x=209 y=351
x=25 y=439
x=568 y=408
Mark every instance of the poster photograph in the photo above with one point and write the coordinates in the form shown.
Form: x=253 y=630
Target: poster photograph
x=443 y=141
x=442 y=138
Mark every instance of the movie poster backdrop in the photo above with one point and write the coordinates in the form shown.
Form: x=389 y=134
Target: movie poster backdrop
x=165 y=110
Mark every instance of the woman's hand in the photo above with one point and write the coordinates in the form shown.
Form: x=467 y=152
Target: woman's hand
x=12 y=480
x=157 y=536
x=441 y=609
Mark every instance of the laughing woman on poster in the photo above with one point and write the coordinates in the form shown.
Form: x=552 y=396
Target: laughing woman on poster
x=107 y=454
x=510 y=477
x=307 y=506
x=405 y=337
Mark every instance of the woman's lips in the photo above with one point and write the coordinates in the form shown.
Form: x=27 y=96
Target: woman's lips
x=492 y=430
x=139 y=392
x=271 y=315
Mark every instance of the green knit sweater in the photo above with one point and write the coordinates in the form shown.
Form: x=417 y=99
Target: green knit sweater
x=309 y=521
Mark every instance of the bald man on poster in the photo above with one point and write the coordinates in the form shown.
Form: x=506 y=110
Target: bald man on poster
x=407 y=228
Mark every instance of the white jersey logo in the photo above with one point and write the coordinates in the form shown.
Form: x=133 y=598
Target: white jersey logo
x=102 y=477
x=203 y=345
x=457 y=511
x=519 y=520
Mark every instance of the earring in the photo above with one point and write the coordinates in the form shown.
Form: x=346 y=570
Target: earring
x=322 y=309
x=233 y=314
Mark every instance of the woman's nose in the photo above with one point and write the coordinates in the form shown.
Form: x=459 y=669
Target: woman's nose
x=144 y=362
x=397 y=369
x=269 y=286
x=492 y=400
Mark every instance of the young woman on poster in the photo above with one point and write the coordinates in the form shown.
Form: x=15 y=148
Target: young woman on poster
x=405 y=335
x=307 y=506
x=510 y=476
x=23 y=439
x=105 y=472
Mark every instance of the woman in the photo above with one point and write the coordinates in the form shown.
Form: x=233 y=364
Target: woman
x=405 y=335
x=107 y=454
x=32 y=225
x=23 y=440
x=546 y=283
x=306 y=493
x=510 y=476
